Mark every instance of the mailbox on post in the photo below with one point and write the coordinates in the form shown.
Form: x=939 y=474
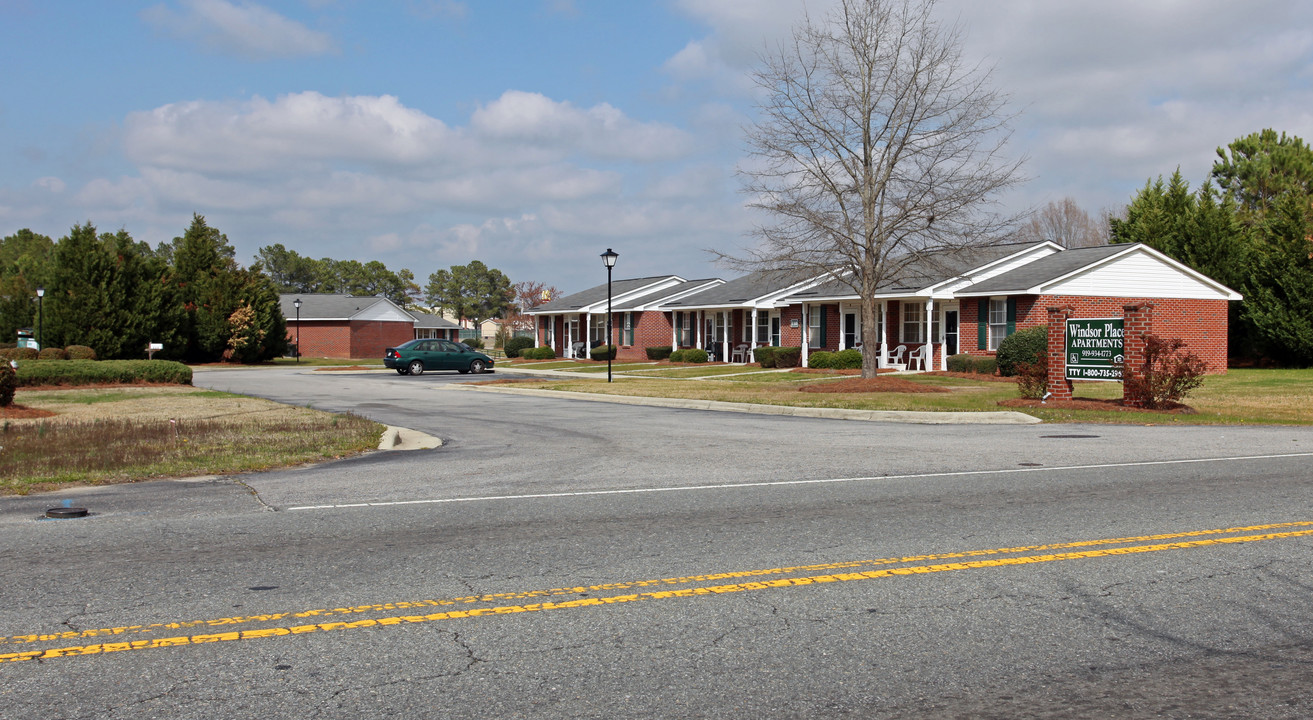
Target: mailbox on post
x=151 y=348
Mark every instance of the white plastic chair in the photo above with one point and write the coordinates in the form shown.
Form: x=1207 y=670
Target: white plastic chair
x=918 y=356
x=896 y=358
x=740 y=353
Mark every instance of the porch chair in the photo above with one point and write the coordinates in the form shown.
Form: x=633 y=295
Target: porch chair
x=740 y=353
x=896 y=358
x=918 y=356
x=579 y=350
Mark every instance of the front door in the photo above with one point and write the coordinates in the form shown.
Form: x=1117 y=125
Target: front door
x=775 y=330
x=950 y=332
x=850 y=338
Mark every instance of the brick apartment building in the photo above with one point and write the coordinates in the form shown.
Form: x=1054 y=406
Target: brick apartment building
x=347 y=326
x=942 y=304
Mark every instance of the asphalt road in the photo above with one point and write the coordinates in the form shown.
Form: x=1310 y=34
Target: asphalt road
x=561 y=558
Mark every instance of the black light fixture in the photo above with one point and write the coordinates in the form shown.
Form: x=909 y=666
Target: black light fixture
x=41 y=316
x=608 y=258
x=297 y=304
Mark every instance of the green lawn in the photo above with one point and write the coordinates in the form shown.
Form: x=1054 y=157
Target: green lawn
x=1241 y=397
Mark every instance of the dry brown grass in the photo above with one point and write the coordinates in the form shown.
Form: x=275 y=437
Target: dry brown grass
x=110 y=435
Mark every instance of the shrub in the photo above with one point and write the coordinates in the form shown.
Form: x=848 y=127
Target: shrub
x=474 y=342
x=1022 y=346
x=87 y=372
x=676 y=356
x=1168 y=375
x=766 y=356
x=80 y=352
x=960 y=363
x=603 y=352
x=660 y=352
x=695 y=355
x=52 y=353
x=820 y=359
x=8 y=384
x=787 y=357
x=1033 y=377
x=850 y=359
x=19 y=353
x=538 y=353
x=513 y=346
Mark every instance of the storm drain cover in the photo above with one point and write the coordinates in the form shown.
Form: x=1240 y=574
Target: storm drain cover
x=1069 y=437
x=66 y=512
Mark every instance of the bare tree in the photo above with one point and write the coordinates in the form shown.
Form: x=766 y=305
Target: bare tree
x=877 y=147
x=528 y=294
x=1066 y=224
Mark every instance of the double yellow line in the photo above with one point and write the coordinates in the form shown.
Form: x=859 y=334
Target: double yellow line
x=771 y=579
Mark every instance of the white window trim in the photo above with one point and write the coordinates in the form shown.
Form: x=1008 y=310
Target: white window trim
x=996 y=331
x=904 y=321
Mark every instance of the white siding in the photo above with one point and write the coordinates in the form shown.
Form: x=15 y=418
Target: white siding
x=383 y=310
x=1135 y=275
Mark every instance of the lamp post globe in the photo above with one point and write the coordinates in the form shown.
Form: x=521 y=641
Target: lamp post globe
x=608 y=258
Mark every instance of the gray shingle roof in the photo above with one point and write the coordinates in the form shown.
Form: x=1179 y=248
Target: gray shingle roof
x=926 y=271
x=597 y=294
x=320 y=306
x=1045 y=269
x=432 y=321
x=658 y=297
x=739 y=291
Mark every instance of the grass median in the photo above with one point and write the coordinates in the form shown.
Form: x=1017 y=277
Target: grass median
x=124 y=434
x=1241 y=397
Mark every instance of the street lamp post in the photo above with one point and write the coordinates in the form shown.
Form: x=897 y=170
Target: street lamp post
x=41 y=317
x=609 y=257
x=297 y=304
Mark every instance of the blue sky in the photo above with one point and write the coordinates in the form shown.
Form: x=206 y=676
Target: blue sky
x=535 y=134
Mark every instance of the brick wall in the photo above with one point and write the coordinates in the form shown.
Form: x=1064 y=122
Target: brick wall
x=369 y=338
x=322 y=338
x=1202 y=324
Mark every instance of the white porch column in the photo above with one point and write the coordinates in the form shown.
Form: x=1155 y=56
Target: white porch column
x=843 y=336
x=943 y=339
x=883 y=360
x=806 y=333
x=729 y=337
x=674 y=330
x=930 y=341
x=752 y=344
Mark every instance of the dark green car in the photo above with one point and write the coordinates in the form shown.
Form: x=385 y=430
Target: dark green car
x=416 y=356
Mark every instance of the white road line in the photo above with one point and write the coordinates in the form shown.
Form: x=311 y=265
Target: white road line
x=820 y=481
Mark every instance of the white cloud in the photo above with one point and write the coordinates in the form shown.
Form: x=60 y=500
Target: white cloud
x=600 y=131
x=243 y=29
x=53 y=184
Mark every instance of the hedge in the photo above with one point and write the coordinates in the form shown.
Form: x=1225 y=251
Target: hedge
x=850 y=359
x=660 y=352
x=787 y=357
x=18 y=353
x=695 y=355
x=89 y=372
x=978 y=364
x=52 y=353
x=603 y=352
x=538 y=353
x=8 y=383
x=80 y=352
x=474 y=342
x=821 y=359
x=513 y=346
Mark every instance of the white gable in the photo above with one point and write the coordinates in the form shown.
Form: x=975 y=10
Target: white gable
x=384 y=311
x=1140 y=275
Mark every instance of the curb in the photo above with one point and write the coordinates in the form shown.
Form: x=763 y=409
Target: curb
x=393 y=439
x=1004 y=417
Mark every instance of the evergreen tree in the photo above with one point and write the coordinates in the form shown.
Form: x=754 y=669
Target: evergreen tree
x=1279 y=287
x=26 y=259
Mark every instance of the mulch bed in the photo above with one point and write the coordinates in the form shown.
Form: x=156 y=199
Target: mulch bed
x=22 y=412
x=878 y=384
x=1092 y=404
x=845 y=371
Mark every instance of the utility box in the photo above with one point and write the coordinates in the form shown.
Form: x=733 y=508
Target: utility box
x=25 y=339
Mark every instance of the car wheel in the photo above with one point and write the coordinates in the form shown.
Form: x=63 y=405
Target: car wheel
x=478 y=366
x=401 y=371
x=415 y=368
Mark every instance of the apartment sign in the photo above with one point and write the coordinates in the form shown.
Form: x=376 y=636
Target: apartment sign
x=1094 y=349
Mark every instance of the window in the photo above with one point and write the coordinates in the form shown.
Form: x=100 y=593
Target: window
x=763 y=327
x=913 y=322
x=998 y=321
x=596 y=329
x=684 y=321
x=629 y=328
x=549 y=338
x=815 y=327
